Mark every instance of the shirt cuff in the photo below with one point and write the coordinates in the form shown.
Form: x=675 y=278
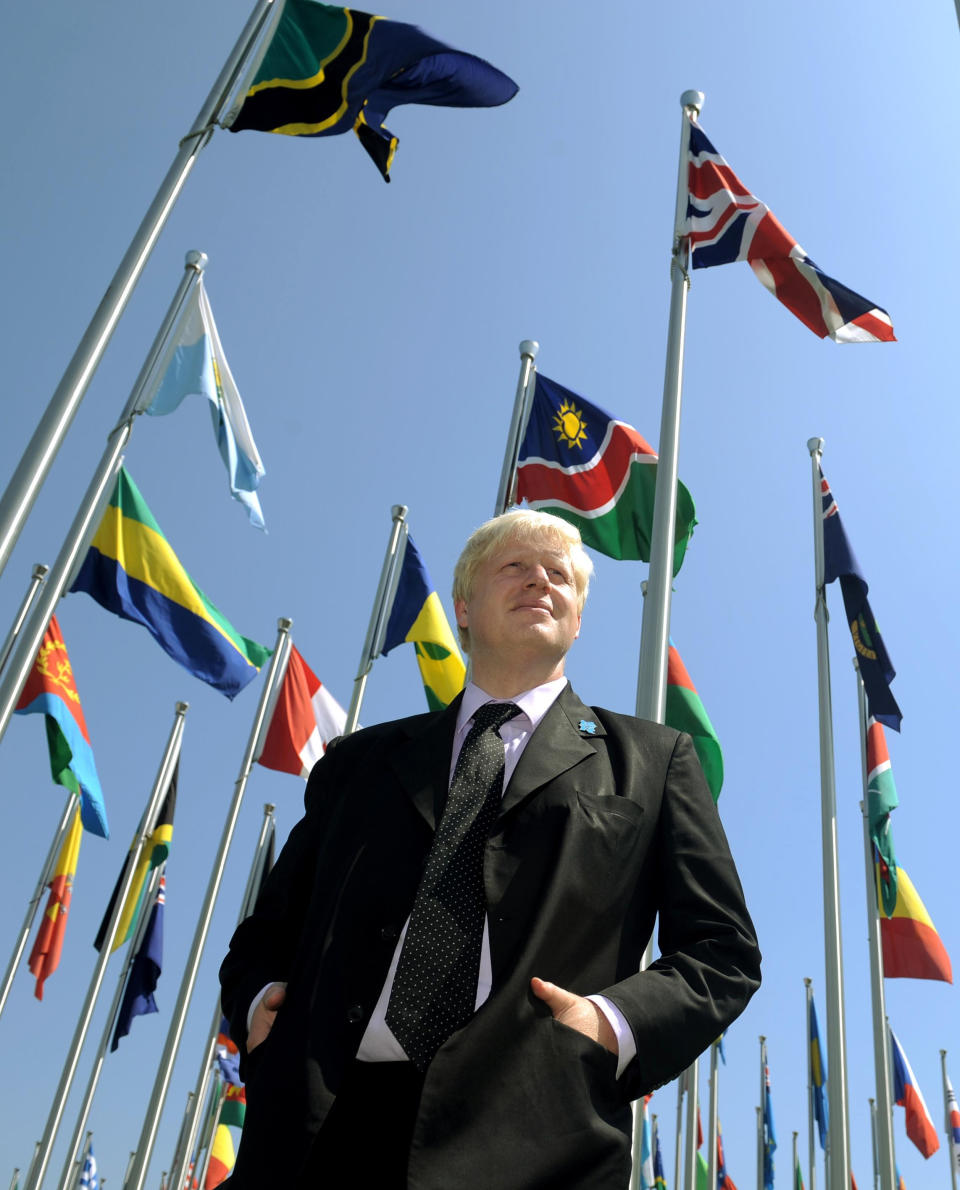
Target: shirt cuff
x=259 y=996
x=626 y=1042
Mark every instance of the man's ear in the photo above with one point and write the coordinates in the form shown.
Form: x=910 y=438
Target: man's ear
x=460 y=611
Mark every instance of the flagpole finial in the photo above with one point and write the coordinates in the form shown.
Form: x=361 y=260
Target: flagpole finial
x=181 y=708
x=268 y=807
x=815 y=445
x=284 y=624
x=399 y=512
x=195 y=260
x=529 y=347
x=694 y=99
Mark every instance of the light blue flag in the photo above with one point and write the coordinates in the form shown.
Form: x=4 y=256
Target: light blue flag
x=196 y=365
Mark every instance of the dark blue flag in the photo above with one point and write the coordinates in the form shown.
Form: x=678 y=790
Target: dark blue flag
x=144 y=972
x=769 y=1132
x=876 y=669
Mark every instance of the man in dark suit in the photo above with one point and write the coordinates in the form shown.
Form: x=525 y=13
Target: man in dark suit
x=593 y=824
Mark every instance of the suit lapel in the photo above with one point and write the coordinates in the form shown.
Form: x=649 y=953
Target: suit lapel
x=561 y=740
x=422 y=763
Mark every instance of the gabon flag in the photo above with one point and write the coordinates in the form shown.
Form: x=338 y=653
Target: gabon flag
x=45 y=956
x=305 y=719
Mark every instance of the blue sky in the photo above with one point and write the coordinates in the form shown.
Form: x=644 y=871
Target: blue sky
x=373 y=333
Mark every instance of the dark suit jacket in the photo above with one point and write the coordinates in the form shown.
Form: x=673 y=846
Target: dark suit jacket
x=599 y=831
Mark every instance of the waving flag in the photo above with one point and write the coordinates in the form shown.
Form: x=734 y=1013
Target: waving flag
x=881 y=799
x=725 y=222
x=659 y=1181
x=907 y=1095
x=222 y=1158
x=646 y=1148
x=724 y=1180
x=131 y=570
x=138 y=997
x=768 y=1130
x=234 y=1108
x=417 y=616
x=305 y=719
x=51 y=690
x=45 y=956
x=686 y=712
x=953 y=1126
x=327 y=70
x=88 y=1177
x=598 y=473
x=196 y=366
x=911 y=946
x=876 y=668
x=818 y=1076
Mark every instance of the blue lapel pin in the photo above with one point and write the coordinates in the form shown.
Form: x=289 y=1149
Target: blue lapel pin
x=588 y=727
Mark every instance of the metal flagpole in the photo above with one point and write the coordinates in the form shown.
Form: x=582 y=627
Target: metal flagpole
x=796 y=1159
x=87 y=519
x=213 y=1119
x=761 y=1150
x=873 y=1143
x=953 y=1149
x=254 y=882
x=886 y=1156
x=380 y=616
x=32 y=905
x=36 y=581
x=713 y=1129
x=77 y=1169
x=655 y=630
x=148 y=1135
x=518 y=421
x=838 y=1153
x=37 y=458
x=66 y=1175
x=678 y=1151
x=41 y=1159
x=184 y=1142
x=811 y=1154
x=636 y=1167
x=690 y=1145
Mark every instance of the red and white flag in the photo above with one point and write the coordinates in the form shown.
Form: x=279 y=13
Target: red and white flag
x=306 y=717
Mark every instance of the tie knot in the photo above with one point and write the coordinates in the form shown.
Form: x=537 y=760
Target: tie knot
x=493 y=715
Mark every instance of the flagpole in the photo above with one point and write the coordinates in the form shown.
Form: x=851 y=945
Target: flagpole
x=78 y=1164
x=148 y=1135
x=213 y=1121
x=380 y=616
x=796 y=1158
x=184 y=1140
x=655 y=629
x=254 y=882
x=636 y=1154
x=171 y=752
x=952 y=1152
x=89 y=513
x=838 y=1154
x=690 y=1140
x=36 y=581
x=678 y=1151
x=761 y=1111
x=93 y=1081
x=713 y=1129
x=37 y=458
x=518 y=421
x=873 y=1143
x=886 y=1153
x=34 y=902
x=808 y=985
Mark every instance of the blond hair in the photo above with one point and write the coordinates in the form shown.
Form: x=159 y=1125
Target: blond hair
x=519 y=524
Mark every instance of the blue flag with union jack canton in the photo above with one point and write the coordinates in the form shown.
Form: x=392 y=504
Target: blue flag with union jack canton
x=876 y=668
x=725 y=222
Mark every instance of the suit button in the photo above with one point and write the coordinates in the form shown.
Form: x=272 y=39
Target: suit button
x=389 y=933
x=355 y=1014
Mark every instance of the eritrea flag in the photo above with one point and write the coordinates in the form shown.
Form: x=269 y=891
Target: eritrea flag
x=598 y=473
x=685 y=712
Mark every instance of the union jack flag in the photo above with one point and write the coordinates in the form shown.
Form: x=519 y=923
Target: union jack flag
x=725 y=222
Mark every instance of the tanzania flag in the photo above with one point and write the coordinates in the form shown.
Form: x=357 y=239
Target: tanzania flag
x=131 y=570
x=881 y=799
x=598 y=473
x=45 y=956
x=326 y=70
x=876 y=668
x=154 y=853
x=417 y=616
x=50 y=689
x=685 y=712
x=911 y=946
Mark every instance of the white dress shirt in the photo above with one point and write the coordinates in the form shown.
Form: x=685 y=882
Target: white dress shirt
x=378 y=1043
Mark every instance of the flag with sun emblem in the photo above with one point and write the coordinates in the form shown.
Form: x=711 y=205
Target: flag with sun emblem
x=51 y=690
x=581 y=464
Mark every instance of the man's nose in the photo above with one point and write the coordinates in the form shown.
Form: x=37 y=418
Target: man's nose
x=537 y=576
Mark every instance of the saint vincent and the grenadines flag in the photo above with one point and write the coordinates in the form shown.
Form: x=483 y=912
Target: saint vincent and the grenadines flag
x=326 y=70
x=132 y=571
x=45 y=956
x=598 y=473
x=417 y=616
x=51 y=690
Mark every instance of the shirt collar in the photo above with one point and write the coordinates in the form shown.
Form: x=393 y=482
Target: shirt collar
x=533 y=704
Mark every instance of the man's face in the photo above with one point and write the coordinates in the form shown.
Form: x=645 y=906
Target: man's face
x=523 y=604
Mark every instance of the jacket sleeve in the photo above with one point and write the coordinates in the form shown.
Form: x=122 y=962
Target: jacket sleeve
x=265 y=944
x=709 y=963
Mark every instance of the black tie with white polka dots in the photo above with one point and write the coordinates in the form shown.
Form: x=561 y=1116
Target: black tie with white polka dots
x=435 y=986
